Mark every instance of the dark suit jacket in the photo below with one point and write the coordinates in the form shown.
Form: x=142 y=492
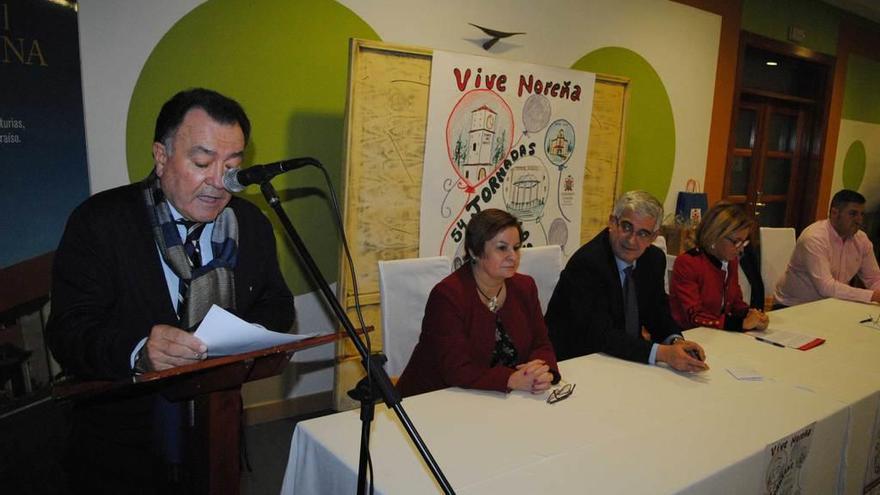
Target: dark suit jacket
x=108 y=287
x=586 y=313
x=108 y=290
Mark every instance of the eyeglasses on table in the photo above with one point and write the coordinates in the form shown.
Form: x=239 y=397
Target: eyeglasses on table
x=560 y=393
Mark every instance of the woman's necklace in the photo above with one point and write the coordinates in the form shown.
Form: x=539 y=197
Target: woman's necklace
x=492 y=301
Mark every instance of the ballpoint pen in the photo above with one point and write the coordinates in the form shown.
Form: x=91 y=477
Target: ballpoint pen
x=867 y=320
x=777 y=344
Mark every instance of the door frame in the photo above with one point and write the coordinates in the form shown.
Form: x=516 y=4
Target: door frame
x=808 y=184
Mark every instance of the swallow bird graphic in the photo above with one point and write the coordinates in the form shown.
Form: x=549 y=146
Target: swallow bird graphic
x=495 y=35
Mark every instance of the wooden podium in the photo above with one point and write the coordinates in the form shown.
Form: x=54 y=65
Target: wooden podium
x=214 y=386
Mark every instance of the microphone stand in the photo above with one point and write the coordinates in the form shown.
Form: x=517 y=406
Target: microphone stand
x=372 y=364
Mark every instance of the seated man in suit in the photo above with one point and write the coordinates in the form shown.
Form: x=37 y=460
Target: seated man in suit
x=610 y=295
x=828 y=254
x=140 y=265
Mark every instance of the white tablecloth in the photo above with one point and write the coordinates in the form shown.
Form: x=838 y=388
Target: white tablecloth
x=630 y=428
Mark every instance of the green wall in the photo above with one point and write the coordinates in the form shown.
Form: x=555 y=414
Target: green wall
x=861 y=97
x=292 y=81
x=286 y=62
x=772 y=18
x=649 y=142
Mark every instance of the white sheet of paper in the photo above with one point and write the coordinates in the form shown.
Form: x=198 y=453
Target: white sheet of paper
x=745 y=373
x=226 y=334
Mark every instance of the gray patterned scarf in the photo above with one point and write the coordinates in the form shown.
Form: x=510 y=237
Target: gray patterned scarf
x=213 y=283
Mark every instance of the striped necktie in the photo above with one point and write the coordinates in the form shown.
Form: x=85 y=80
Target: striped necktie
x=194 y=256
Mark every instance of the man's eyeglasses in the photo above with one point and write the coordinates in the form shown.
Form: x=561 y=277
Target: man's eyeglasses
x=561 y=393
x=628 y=228
x=739 y=244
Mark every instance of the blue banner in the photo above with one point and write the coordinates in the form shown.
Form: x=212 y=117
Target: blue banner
x=42 y=135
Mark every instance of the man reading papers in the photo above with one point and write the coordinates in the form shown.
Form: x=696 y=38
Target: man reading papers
x=140 y=265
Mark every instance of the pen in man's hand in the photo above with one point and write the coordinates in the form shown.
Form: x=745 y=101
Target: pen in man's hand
x=867 y=320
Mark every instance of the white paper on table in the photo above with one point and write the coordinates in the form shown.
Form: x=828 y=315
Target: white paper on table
x=226 y=334
x=745 y=373
x=788 y=339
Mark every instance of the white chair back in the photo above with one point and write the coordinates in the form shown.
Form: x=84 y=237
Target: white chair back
x=660 y=242
x=404 y=286
x=542 y=263
x=744 y=285
x=777 y=244
x=670 y=263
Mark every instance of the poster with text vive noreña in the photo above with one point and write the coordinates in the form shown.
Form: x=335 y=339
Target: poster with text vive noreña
x=505 y=135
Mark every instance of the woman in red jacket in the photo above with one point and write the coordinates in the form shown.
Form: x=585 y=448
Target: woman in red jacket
x=704 y=289
x=483 y=327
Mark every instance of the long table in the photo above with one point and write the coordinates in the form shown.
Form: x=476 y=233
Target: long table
x=633 y=428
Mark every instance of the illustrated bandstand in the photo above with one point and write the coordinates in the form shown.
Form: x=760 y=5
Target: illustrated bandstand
x=526 y=201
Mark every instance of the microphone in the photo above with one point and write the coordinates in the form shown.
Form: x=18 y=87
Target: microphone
x=236 y=179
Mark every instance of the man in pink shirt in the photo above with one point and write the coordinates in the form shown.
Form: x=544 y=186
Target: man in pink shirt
x=829 y=253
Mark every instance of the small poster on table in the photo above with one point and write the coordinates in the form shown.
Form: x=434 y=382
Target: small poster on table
x=784 y=460
x=872 y=471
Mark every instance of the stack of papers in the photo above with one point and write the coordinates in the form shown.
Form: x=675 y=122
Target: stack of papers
x=784 y=338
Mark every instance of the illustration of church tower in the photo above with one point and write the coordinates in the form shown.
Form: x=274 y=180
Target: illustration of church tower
x=481 y=136
x=559 y=146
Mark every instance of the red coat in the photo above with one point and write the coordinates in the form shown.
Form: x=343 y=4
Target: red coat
x=458 y=336
x=699 y=295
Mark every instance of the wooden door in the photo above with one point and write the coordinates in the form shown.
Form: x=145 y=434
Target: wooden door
x=769 y=142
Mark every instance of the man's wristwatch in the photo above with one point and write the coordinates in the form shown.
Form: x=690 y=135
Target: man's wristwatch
x=675 y=339
x=140 y=362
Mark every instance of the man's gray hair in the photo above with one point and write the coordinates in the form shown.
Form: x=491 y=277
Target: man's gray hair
x=641 y=203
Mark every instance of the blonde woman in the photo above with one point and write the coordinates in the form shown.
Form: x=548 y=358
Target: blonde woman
x=704 y=289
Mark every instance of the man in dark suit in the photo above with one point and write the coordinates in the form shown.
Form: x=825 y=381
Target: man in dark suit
x=590 y=311
x=140 y=265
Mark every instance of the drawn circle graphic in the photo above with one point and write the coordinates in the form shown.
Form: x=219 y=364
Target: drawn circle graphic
x=525 y=188
x=479 y=134
x=649 y=134
x=854 y=165
x=559 y=142
x=536 y=113
x=558 y=232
